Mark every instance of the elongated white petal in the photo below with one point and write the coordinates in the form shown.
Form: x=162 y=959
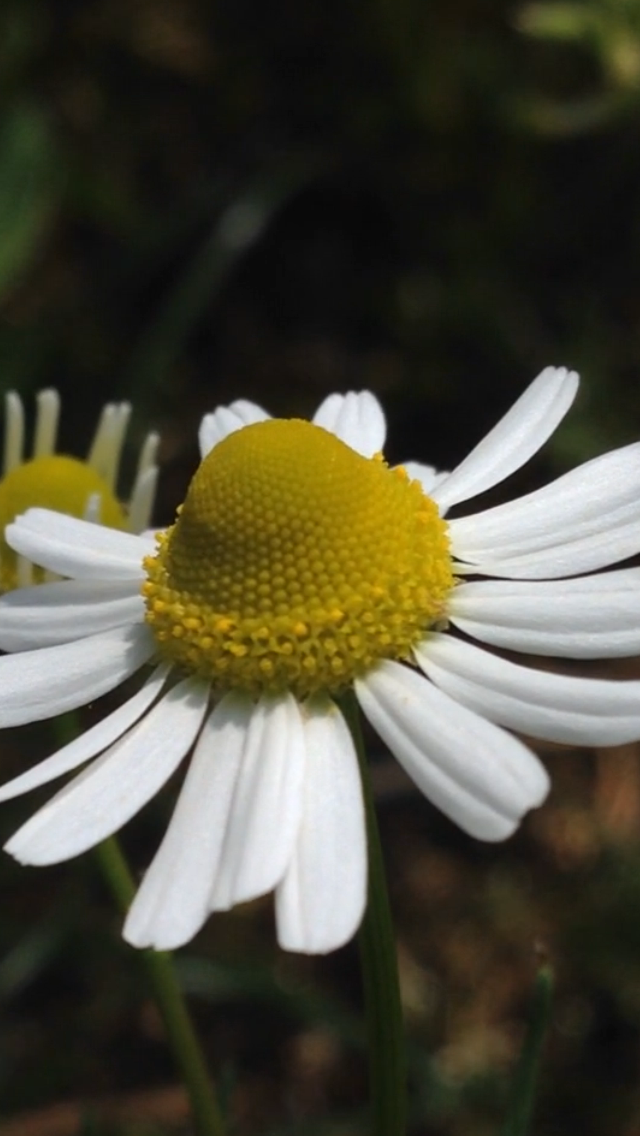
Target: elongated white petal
x=57 y=613
x=93 y=508
x=148 y=456
x=106 y=448
x=477 y=774
x=24 y=573
x=71 y=547
x=40 y=684
x=13 y=449
x=589 y=617
x=321 y=900
x=226 y=420
x=103 y=797
x=265 y=813
x=173 y=900
x=564 y=558
x=519 y=531
x=142 y=498
x=562 y=708
x=356 y=418
x=517 y=436
x=47 y=416
x=91 y=742
x=598 y=498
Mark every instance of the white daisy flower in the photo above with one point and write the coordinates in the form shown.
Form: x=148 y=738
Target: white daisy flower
x=301 y=566
x=56 y=481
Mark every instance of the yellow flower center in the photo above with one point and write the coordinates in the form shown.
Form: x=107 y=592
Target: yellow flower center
x=52 y=482
x=295 y=564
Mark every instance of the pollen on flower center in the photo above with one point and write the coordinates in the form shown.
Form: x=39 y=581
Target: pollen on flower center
x=51 y=482
x=296 y=564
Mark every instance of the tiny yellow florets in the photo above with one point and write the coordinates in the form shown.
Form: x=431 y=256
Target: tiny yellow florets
x=51 y=482
x=296 y=564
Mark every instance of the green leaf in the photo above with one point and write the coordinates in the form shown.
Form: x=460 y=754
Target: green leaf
x=525 y=1081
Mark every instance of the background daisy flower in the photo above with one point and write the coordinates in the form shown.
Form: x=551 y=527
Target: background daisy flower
x=301 y=566
x=82 y=488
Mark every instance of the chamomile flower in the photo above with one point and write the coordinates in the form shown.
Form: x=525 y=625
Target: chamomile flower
x=52 y=480
x=299 y=567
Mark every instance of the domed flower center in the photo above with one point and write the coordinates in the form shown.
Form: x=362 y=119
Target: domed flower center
x=52 y=482
x=295 y=564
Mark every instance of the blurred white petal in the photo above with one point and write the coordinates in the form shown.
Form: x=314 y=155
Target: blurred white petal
x=427 y=475
x=356 y=418
x=226 y=420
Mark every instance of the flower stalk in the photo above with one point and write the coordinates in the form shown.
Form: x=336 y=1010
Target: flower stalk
x=169 y=1000
x=378 y=959
x=168 y=995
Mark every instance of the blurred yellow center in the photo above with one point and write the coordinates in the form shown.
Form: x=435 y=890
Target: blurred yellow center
x=295 y=564
x=52 y=482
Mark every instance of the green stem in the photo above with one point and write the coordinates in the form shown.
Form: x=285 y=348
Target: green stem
x=169 y=999
x=387 y=1057
x=166 y=988
x=526 y=1076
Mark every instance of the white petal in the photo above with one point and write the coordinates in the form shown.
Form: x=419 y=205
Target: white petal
x=142 y=499
x=42 y=683
x=106 y=448
x=53 y=613
x=116 y=786
x=76 y=548
x=321 y=900
x=427 y=475
x=91 y=742
x=24 y=573
x=589 y=617
x=267 y=805
x=93 y=508
x=565 y=558
x=47 y=415
x=13 y=448
x=173 y=900
x=356 y=418
x=562 y=708
x=586 y=506
x=480 y=776
x=226 y=420
x=517 y=436
x=148 y=455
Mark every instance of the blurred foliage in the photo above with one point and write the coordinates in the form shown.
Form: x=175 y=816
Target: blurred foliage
x=203 y=200
x=200 y=202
